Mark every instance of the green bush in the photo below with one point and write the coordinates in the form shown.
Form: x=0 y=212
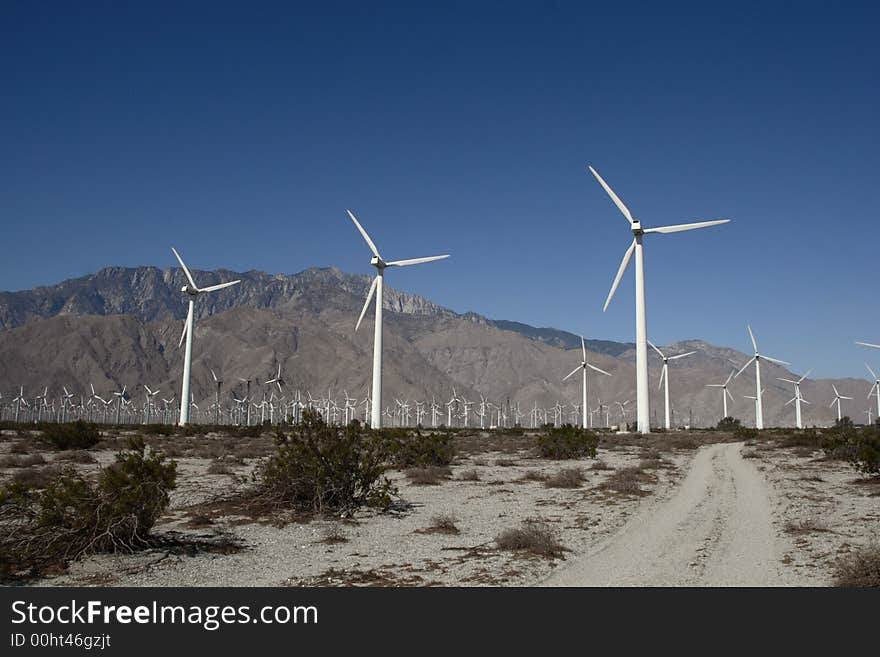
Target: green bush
x=73 y=435
x=728 y=424
x=567 y=442
x=859 y=446
x=408 y=449
x=745 y=433
x=72 y=516
x=322 y=468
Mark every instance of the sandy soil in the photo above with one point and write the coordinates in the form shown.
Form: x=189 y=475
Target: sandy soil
x=723 y=514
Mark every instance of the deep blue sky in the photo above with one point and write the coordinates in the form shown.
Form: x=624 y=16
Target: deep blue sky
x=240 y=135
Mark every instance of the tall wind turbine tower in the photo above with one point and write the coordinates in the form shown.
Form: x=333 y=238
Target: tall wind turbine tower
x=192 y=291
x=643 y=404
x=376 y=288
x=664 y=376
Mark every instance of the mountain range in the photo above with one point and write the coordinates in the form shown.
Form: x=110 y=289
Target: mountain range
x=121 y=326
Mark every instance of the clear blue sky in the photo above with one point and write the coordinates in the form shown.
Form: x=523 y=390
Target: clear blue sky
x=240 y=133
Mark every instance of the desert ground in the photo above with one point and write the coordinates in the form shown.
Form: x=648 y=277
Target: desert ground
x=670 y=509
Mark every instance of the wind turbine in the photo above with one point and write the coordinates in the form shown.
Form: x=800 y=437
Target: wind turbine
x=837 y=398
x=875 y=389
x=192 y=291
x=376 y=287
x=664 y=376
x=643 y=403
x=756 y=399
x=725 y=393
x=756 y=359
x=149 y=407
x=219 y=383
x=797 y=399
x=583 y=367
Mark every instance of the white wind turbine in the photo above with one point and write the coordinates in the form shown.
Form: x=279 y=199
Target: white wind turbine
x=759 y=392
x=875 y=389
x=192 y=291
x=583 y=367
x=797 y=399
x=756 y=399
x=643 y=404
x=664 y=376
x=837 y=398
x=725 y=393
x=376 y=288
x=149 y=405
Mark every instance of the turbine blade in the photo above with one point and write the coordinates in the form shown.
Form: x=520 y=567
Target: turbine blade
x=749 y=362
x=868 y=344
x=367 y=302
x=682 y=355
x=729 y=395
x=752 y=336
x=574 y=371
x=584 y=348
x=213 y=375
x=623 y=264
x=732 y=372
x=212 y=288
x=871 y=371
x=366 y=237
x=656 y=349
x=617 y=201
x=836 y=394
x=662 y=374
x=185 y=326
x=414 y=261
x=593 y=367
x=775 y=360
x=801 y=380
x=185 y=270
x=789 y=401
x=680 y=227
x=842 y=397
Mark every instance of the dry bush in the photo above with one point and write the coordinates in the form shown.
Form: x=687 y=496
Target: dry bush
x=432 y=475
x=533 y=475
x=219 y=467
x=35 y=478
x=73 y=435
x=860 y=568
x=73 y=516
x=505 y=463
x=408 y=449
x=24 y=461
x=469 y=475
x=443 y=523
x=807 y=526
x=566 y=478
x=567 y=442
x=627 y=481
x=319 y=468
x=534 y=536
x=333 y=535
x=77 y=456
x=601 y=465
x=19 y=447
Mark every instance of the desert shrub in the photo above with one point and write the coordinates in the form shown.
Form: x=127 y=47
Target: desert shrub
x=469 y=475
x=533 y=475
x=505 y=463
x=626 y=481
x=73 y=435
x=443 y=523
x=24 y=461
x=431 y=475
x=219 y=467
x=77 y=456
x=728 y=424
x=567 y=442
x=73 y=516
x=35 y=477
x=20 y=447
x=861 y=447
x=319 y=468
x=534 y=536
x=565 y=478
x=410 y=449
x=160 y=429
x=601 y=465
x=860 y=568
x=745 y=433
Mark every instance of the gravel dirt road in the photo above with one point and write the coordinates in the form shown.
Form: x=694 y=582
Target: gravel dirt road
x=716 y=530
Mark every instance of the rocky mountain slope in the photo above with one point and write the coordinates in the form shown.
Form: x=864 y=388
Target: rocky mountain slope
x=121 y=326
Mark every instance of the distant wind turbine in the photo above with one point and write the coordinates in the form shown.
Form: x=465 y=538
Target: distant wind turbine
x=837 y=398
x=725 y=393
x=192 y=291
x=797 y=399
x=664 y=376
x=583 y=367
x=376 y=288
x=759 y=392
x=643 y=403
x=875 y=389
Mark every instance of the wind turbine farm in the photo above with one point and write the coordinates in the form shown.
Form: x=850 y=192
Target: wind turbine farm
x=500 y=421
